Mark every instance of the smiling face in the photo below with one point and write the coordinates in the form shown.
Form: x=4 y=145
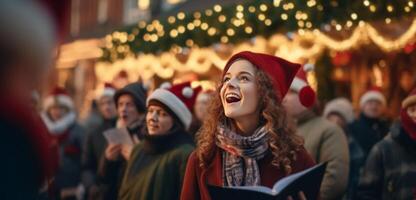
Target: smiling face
x=158 y=121
x=239 y=92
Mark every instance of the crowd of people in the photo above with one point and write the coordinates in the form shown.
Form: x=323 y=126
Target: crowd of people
x=262 y=123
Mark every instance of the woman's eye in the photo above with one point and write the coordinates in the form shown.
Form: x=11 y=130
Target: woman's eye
x=226 y=79
x=244 y=78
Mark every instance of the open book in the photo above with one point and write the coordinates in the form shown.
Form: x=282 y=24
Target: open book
x=118 y=136
x=308 y=181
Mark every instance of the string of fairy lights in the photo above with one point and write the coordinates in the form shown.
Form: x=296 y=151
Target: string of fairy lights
x=237 y=23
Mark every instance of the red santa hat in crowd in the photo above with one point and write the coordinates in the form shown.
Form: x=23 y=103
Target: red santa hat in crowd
x=279 y=70
x=107 y=91
x=374 y=93
x=300 y=85
x=58 y=96
x=179 y=98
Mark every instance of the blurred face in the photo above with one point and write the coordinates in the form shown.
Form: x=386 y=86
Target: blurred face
x=239 y=93
x=373 y=109
x=57 y=112
x=337 y=119
x=411 y=111
x=292 y=104
x=126 y=110
x=158 y=121
x=107 y=107
x=201 y=105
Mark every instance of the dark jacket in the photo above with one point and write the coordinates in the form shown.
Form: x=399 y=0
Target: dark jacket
x=390 y=170
x=110 y=173
x=367 y=132
x=157 y=167
x=95 y=145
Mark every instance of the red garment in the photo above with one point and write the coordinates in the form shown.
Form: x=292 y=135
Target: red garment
x=195 y=180
x=16 y=112
x=408 y=124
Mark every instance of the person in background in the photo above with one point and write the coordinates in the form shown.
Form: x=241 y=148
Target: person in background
x=157 y=165
x=200 y=110
x=340 y=111
x=96 y=143
x=390 y=169
x=246 y=140
x=131 y=109
x=325 y=141
x=59 y=116
x=29 y=156
x=370 y=128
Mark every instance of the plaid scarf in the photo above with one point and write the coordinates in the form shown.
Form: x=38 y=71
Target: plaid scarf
x=240 y=156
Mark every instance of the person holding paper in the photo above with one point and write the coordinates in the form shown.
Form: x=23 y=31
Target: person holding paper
x=131 y=109
x=157 y=165
x=245 y=139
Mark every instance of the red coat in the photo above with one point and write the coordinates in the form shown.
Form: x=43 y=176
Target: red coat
x=196 y=178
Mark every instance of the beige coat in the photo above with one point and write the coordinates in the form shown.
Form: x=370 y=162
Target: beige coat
x=326 y=142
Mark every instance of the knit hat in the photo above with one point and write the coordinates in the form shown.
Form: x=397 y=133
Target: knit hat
x=179 y=98
x=409 y=100
x=279 y=70
x=300 y=85
x=107 y=91
x=373 y=93
x=341 y=106
x=138 y=93
x=58 y=96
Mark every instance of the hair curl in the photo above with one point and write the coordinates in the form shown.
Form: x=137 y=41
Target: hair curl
x=283 y=142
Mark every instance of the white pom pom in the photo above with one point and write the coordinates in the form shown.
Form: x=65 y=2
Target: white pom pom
x=187 y=92
x=308 y=67
x=165 y=85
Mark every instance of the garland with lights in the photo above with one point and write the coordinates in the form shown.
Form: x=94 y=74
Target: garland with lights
x=233 y=24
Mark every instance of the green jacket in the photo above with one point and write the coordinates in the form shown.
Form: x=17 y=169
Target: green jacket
x=157 y=167
x=326 y=142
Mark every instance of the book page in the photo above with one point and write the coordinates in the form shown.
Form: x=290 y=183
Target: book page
x=283 y=183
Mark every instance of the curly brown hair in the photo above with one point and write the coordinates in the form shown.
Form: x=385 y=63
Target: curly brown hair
x=283 y=141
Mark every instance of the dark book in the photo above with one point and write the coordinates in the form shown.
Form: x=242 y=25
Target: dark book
x=308 y=181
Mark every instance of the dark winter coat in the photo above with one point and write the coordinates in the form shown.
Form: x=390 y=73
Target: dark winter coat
x=110 y=173
x=390 y=170
x=367 y=132
x=95 y=145
x=197 y=178
x=157 y=167
x=70 y=150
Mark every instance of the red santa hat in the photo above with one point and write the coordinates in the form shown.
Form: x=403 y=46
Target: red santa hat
x=179 y=98
x=58 y=96
x=300 y=85
x=374 y=93
x=279 y=70
x=107 y=91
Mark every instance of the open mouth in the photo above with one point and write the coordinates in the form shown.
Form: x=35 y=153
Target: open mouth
x=232 y=97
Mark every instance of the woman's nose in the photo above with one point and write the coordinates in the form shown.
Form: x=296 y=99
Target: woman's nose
x=232 y=83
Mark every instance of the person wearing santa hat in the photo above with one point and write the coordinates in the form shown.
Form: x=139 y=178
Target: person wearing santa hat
x=157 y=165
x=200 y=110
x=60 y=118
x=131 y=109
x=96 y=143
x=390 y=169
x=325 y=141
x=368 y=129
x=246 y=140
